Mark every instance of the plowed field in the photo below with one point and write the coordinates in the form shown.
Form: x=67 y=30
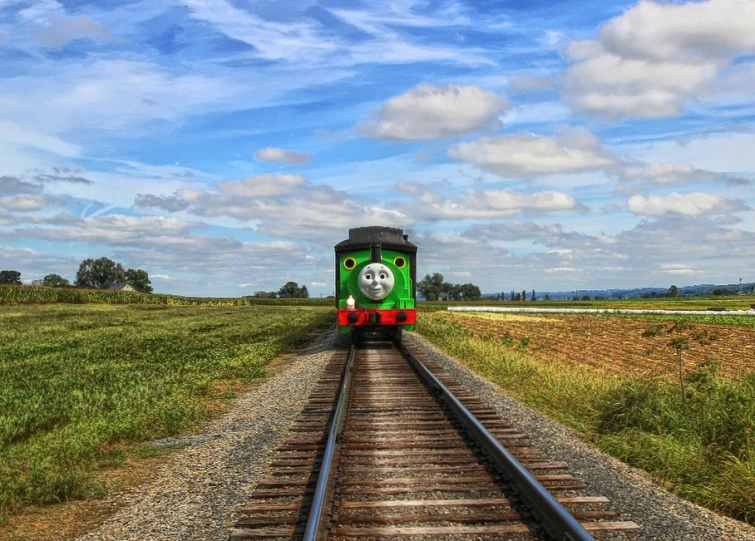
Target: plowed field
x=613 y=344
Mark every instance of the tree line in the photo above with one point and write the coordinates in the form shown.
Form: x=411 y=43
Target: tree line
x=290 y=290
x=434 y=288
x=102 y=273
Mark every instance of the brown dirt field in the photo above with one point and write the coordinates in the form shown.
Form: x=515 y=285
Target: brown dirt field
x=616 y=344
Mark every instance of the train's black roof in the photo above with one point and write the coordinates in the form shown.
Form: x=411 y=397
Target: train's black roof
x=390 y=238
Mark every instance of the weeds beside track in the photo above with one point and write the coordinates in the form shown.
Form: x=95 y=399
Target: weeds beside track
x=701 y=448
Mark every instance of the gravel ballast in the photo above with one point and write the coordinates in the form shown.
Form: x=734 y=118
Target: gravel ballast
x=199 y=491
x=662 y=515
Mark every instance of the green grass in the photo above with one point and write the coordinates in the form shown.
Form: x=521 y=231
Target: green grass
x=739 y=321
x=732 y=302
x=702 y=448
x=79 y=382
x=13 y=295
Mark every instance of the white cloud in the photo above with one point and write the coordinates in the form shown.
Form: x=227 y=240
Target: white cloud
x=692 y=30
x=431 y=112
x=694 y=204
x=636 y=176
x=25 y=202
x=273 y=154
x=529 y=155
x=553 y=270
x=159 y=277
x=484 y=203
x=269 y=185
x=16 y=134
x=650 y=60
x=675 y=268
x=62 y=30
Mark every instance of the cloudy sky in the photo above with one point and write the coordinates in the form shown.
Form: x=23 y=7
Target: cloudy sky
x=225 y=146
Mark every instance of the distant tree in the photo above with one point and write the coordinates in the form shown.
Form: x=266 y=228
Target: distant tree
x=575 y=298
x=55 y=280
x=517 y=297
x=99 y=273
x=470 y=292
x=524 y=295
x=719 y=291
x=431 y=287
x=673 y=291
x=265 y=294
x=139 y=280
x=513 y=295
x=547 y=297
x=10 y=277
x=291 y=290
x=533 y=295
x=585 y=297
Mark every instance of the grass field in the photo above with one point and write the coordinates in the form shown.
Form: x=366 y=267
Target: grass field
x=13 y=295
x=79 y=384
x=734 y=302
x=628 y=345
x=695 y=435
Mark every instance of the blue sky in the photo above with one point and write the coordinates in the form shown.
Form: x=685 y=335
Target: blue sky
x=225 y=146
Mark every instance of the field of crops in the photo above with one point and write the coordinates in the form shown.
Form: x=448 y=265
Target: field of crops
x=80 y=384
x=734 y=302
x=692 y=431
x=637 y=347
x=12 y=295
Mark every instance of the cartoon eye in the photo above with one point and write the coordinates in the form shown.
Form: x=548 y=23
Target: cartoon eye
x=400 y=262
x=383 y=276
x=368 y=276
x=349 y=263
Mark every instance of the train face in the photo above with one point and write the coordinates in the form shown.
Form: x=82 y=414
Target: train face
x=376 y=272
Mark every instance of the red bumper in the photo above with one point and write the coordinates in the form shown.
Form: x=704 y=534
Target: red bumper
x=354 y=318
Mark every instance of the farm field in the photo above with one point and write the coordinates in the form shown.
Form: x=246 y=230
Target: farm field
x=14 y=295
x=733 y=302
x=634 y=346
x=692 y=432
x=80 y=386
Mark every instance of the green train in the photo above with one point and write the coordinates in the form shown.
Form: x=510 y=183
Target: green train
x=376 y=274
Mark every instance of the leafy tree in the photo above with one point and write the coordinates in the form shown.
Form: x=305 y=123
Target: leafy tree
x=673 y=291
x=139 y=280
x=55 y=280
x=99 y=273
x=430 y=287
x=524 y=295
x=265 y=294
x=585 y=297
x=719 y=291
x=10 y=277
x=292 y=290
x=470 y=292
x=547 y=297
x=533 y=295
x=513 y=295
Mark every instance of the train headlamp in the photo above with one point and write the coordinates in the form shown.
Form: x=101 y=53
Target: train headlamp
x=351 y=304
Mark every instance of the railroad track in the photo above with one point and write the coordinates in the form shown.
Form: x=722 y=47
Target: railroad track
x=402 y=454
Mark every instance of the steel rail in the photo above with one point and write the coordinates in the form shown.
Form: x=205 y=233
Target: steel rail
x=313 y=530
x=554 y=519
